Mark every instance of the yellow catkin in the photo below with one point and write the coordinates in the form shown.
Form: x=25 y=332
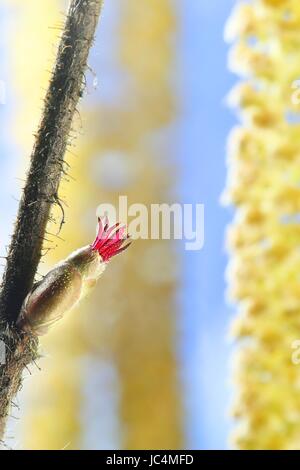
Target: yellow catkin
x=129 y=320
x=150 y=404
x=132 y=315
x=263 y=241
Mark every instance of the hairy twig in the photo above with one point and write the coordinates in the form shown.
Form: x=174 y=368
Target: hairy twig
x=41 y=191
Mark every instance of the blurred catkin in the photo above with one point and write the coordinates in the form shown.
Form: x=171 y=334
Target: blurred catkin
x=263 y=241
x=151 y=407
x=128 y=324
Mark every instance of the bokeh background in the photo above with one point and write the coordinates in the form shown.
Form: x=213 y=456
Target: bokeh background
x=144 y=362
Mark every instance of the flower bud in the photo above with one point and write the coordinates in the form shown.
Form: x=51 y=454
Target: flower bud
x=67 y=283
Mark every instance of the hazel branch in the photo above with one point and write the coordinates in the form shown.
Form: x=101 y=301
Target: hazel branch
x=41 y=192
x=41 y=188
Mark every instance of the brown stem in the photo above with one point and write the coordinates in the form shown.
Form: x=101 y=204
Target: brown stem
x=41 y=190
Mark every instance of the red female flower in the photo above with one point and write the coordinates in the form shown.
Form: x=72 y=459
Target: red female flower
x=109 y=241
x=67 y=283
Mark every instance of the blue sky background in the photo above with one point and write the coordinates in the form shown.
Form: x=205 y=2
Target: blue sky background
x=204 y=81
x=205 y=125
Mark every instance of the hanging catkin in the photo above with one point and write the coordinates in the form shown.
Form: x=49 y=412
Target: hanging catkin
x=263 y=241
